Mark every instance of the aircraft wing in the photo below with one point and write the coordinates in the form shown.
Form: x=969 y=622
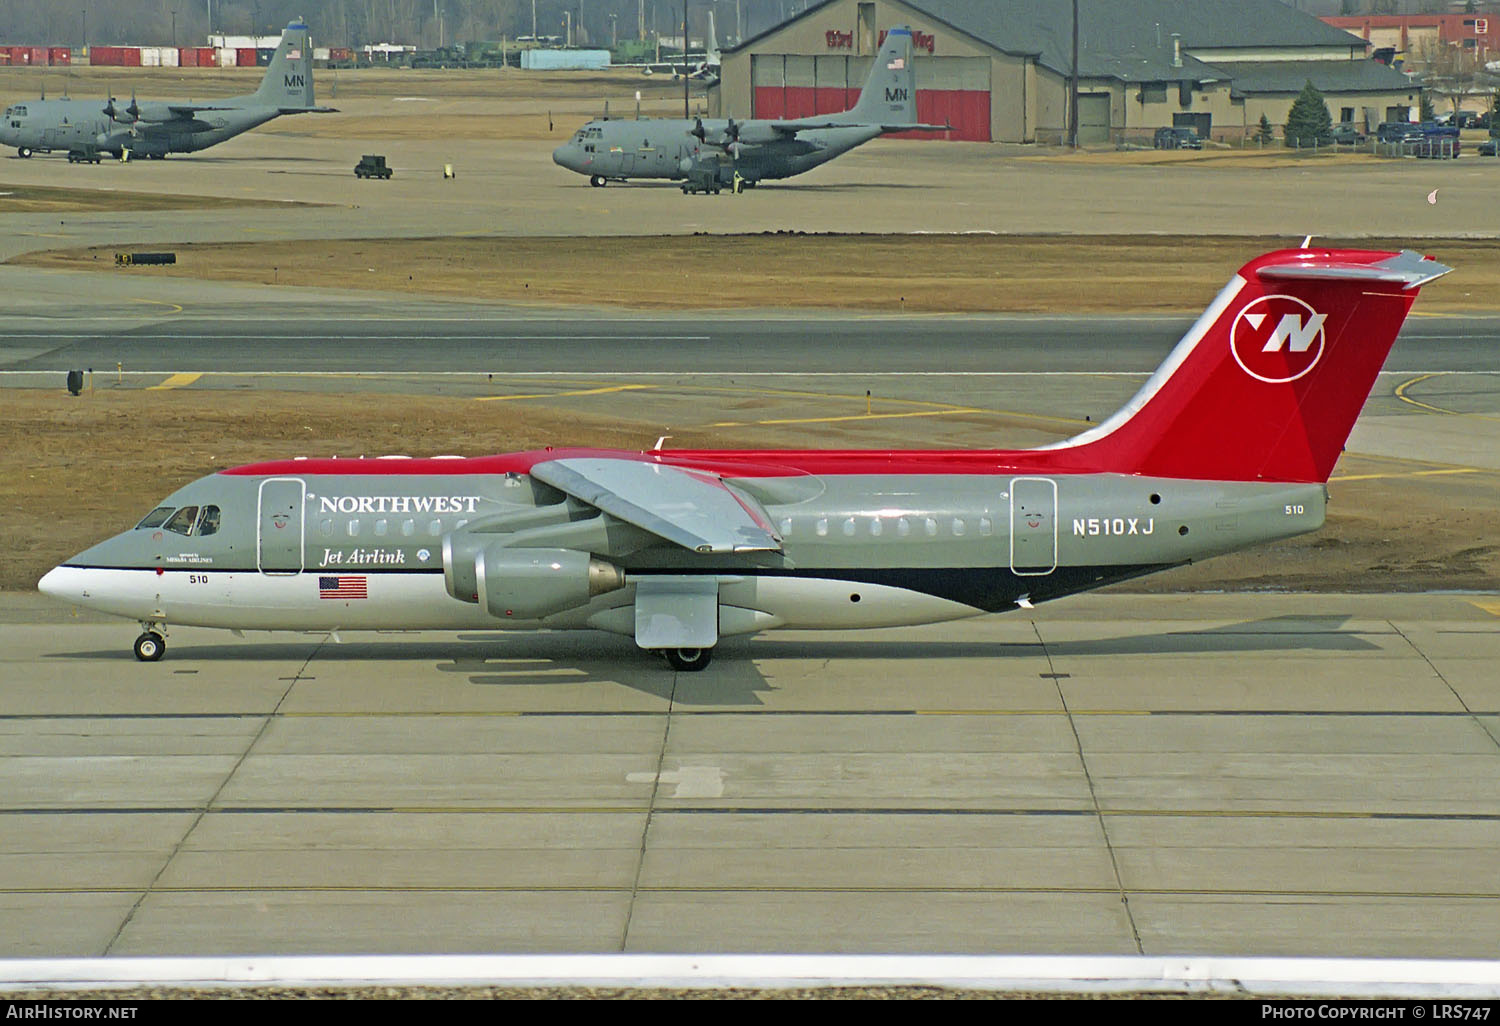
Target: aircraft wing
x=191 y=110
x=793 y=127
x=188 y=110
x=690 y=508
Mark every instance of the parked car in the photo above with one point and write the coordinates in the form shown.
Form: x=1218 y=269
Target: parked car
x=1347 y=134
x=1489 y=148
x=1177 y=139
x=1437 y=141
x=1397 y=131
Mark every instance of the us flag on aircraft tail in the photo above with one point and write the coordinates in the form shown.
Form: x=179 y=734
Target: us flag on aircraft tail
x=341 y=588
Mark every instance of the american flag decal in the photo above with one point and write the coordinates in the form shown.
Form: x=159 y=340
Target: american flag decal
x=897 y=64
x=294 y=54
x=341 y=588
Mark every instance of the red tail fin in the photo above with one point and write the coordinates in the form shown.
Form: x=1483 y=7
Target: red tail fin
x=1267 y=384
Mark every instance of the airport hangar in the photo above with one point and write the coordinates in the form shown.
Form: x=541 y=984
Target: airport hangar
x=999 y=71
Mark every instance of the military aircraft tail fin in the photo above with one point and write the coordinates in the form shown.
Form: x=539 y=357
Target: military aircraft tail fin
x=1267 y=384
x=890 y=94
x=289 y=79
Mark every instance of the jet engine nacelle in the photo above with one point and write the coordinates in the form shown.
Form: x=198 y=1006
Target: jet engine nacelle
x=527 y=584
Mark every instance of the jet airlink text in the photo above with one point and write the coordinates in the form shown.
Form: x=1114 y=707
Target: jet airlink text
x=362 y=557
x=399 y=504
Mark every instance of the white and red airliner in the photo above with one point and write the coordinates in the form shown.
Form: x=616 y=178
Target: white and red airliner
x=1229 y=444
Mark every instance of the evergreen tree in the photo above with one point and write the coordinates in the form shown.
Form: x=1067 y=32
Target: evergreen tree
x=1308 y=123
x=1264 y=133
x=1427 y=113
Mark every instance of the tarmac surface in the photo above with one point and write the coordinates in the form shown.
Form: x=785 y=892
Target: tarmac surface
x=1290 y=774
x=1223 y=773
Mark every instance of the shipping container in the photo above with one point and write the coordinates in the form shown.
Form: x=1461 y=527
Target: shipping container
x=187 y=57
x=227 y=57
x=4 y=55
x=61 y=55
x=169 y=56
x=207 y=56
x=150 y=56
x=341 y=53
x=246 y=56
x=130 y=56
x=321 y=53
x=564 y=60
x=263 y=56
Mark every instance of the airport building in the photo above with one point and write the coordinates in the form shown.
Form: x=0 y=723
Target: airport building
x=1001 y=70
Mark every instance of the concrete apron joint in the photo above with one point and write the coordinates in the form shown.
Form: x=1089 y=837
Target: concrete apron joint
x=1478 y=722
x=207 y=806
x=1114 y=863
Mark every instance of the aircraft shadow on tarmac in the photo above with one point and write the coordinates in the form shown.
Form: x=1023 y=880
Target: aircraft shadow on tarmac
x=736 y=677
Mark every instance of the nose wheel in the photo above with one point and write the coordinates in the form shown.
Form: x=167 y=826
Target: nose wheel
x=150 y=647
x=597 y=181
x=23 y=152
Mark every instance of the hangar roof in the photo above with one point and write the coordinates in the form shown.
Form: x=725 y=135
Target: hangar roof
x=1131 y=40
x=1326 y=77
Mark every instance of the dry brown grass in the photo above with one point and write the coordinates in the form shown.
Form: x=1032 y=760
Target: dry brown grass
x=31 y=199
x=913 y=273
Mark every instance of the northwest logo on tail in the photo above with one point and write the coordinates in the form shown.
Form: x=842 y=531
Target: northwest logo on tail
x=1277 y=339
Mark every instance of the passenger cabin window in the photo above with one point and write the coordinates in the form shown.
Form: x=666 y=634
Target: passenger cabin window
x=182 y=521
x=155 y=518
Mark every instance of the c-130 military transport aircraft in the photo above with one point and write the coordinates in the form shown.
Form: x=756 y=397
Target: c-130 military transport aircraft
x=714 y=154
x=1230 y=443
x=154 y=128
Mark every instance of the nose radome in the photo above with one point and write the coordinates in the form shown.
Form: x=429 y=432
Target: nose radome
x=58 y=583
x=560 y=156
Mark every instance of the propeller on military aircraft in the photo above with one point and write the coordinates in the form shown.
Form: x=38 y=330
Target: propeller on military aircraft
x=109 y=109
x=697 y=129
x=133 y=110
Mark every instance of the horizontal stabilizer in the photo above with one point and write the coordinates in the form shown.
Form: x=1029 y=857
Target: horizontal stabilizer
x=688 y=508
x=1408 y=269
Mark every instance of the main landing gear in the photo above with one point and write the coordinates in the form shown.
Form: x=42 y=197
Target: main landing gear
x=688 y=660
x=151 y=645
x=597 y=181
x=23 y=152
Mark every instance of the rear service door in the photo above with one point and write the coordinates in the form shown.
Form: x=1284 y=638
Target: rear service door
x=279 y=539
x=1033 y=525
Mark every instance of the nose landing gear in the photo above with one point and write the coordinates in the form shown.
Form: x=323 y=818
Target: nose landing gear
x=151 y=645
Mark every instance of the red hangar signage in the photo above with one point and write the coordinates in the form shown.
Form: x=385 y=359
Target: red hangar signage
x=840 y=40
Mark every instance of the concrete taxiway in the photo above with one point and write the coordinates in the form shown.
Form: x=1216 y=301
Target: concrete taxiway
x=1291 y=774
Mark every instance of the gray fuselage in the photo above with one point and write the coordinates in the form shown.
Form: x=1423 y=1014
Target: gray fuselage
x=621 y=150
x=865 y=549
x=43 y=126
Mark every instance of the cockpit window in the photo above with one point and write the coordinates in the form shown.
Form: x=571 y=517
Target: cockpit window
x=156 y=517
x=182 y=521
x=209 y=522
